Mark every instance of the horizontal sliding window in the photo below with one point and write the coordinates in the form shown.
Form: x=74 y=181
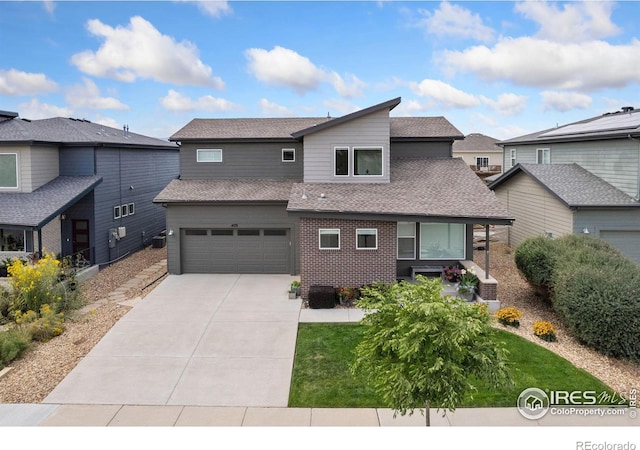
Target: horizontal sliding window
x=330 y=239
x=366 y=239
x=442 y=241
x=209 y=155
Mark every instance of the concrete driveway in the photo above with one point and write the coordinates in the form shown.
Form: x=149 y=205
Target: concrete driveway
x=202 y=340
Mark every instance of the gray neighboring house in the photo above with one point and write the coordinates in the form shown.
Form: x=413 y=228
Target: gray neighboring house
x=583 y=177
x=340 y=201
x=481 y=152
x=72 y=187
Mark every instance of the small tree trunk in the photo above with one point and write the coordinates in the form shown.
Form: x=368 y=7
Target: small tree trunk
x=427 y=414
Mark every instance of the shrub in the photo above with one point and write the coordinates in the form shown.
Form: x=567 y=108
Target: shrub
x=43 y=327
x=35 y=285
x=601 y=308
x=536 y=259
x=509 y=316
x=12 y=343
x=544 y=330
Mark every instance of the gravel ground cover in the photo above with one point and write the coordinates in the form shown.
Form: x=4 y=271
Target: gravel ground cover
x=33 y=376
x=39 y=371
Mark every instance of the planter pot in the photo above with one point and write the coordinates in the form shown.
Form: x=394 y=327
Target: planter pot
x=292 y=295
x=468 y=297
x=449 y=289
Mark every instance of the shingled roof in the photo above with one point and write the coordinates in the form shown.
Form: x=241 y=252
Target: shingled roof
x=37 y=208
x=477 y=142
x=573 y=185
x=428 y=187
x=73 y=131
x=178 y=191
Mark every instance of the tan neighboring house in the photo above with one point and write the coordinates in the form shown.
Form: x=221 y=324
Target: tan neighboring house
x=481 y=153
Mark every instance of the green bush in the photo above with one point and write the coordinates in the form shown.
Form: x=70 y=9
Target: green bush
x=536 y=259
x=601 y=307
x=12 y=343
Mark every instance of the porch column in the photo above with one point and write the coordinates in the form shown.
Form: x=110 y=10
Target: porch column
x=486 y=252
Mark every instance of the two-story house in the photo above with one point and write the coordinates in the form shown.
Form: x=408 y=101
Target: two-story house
x=481 y=152
x=72 y=187
x=340 y=201
x=583 y=177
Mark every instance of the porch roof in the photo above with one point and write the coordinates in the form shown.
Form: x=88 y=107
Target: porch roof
x=438 y=188
x=35 y=209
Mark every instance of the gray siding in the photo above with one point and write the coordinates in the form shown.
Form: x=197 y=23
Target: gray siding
x=420 y=150
x=224 y=216
x=44 y=165
x=615 y=161
x=77 y=161
x=148 y=172
x=261 y=160
x=619 y=226
x=370 y=130
x=535 y=210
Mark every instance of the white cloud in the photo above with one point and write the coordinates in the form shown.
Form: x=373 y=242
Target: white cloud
x=49 y=6
x=16 y=83
x=575 y=22
x=139 y=50
x=564 y=101
x=443 y=94
x=107 y=122
x=214 y=8
x=175 y=101
x=33 y=109
x=87 y=95
x=507 y=104
x=456 y=21
x=274 y=110
x=533 y=62
x=287 y=68
x=339 y=107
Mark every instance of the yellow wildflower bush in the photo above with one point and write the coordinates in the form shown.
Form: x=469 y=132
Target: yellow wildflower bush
x=509 y=316
x=35 y=284
x=544 y=330
x=43 y=326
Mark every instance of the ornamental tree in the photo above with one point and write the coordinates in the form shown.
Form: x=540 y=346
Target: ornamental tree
x=420 y=349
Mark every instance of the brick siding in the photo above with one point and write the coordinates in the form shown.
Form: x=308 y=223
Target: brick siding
x=346 y=267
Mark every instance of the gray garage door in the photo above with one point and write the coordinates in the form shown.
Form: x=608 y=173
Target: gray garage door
x=235 y=250
x=628 y=242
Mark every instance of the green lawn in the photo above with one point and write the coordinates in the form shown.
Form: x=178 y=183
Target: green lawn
x=321 y=376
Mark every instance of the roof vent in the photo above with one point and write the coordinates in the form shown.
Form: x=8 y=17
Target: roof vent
x=626 y=109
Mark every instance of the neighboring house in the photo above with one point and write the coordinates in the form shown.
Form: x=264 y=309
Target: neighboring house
x=72 y=187
x=481 y=153
x=343 y=202
x=583 y=177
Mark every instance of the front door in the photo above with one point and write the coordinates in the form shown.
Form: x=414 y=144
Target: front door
x=80 y=238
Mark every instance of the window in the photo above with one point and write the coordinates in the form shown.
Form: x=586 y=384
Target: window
x=512 y=154
x=482 y=161
x=221 y=232
x=367 y=161
x=543 y=156
x=116 y=212
x=406 y=240
x=288 y=155
x=12 y=240
x=124 y=211
x=275 y=232
x=209 y=155
x=342 y=161
x=442 y=241
x=248 y=232
x=195 y=232
x=132 y=209
x=329 y=239
x=366 y=239
x=8 y=170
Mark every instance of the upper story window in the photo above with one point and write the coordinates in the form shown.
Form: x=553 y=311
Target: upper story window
x=366 y=239
x=288 y=155
x=209 y=155
x=512 y=155
x=342 y=161
x=482 y=161
x=8 y=170
x=543 y=156
x=367 y=161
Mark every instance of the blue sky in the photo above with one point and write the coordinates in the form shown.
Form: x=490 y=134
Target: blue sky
x=499 y=68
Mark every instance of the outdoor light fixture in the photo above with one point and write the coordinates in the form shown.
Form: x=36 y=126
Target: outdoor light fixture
x=585 y=230
x=170 y=232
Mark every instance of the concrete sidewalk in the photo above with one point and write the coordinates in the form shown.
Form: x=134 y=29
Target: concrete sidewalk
x=176 y=416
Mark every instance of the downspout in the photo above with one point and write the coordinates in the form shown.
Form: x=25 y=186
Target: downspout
x=486 y=252
x=39 y=242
